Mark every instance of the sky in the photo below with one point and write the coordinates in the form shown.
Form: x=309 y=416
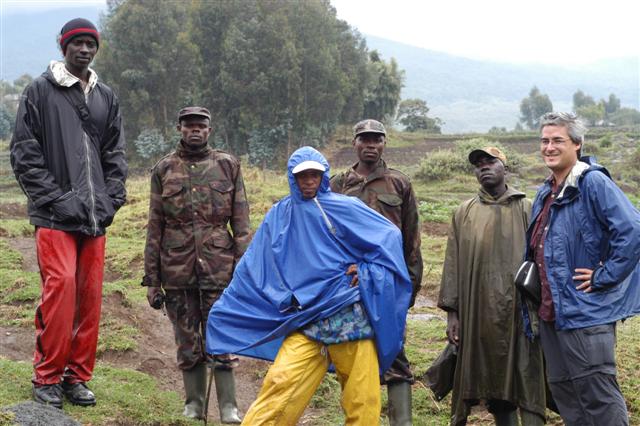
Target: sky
x=554 y=32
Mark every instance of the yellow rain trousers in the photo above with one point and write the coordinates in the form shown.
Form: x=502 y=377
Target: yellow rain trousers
x=297 y=372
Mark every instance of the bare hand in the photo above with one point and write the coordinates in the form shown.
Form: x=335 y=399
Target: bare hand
x=155 y=297
x=453 y=328
x=583 y=274
x=353 y=270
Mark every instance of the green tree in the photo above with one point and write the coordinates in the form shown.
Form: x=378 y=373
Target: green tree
x=147 y=56
x=533 y=107
x=412 y=113
x=581 y=100
x=6 y=122
x=592 y=114
x=612 y=105
x=383 y=90
x=625 y=117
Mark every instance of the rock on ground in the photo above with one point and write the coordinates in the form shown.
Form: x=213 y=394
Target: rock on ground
x=31 y=413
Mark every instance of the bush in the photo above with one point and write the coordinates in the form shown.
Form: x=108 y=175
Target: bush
x=151 y=144
x=444 y=164
x=605 y=141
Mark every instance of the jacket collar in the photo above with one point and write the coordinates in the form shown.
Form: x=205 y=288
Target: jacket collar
x=509 y=195
x=63 y=77
x=190 y=154
x=378 y=172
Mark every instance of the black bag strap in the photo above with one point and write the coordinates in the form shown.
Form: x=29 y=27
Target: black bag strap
x=80 y=105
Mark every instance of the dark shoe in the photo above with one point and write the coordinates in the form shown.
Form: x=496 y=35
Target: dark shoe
x=78 y=394
x=48 y=395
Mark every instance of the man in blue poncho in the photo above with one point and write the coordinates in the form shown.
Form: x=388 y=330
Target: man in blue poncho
x=323 y=282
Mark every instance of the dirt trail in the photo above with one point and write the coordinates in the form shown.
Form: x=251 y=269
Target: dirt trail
x=156 y=353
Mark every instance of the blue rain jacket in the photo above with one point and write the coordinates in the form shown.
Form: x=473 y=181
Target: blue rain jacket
x=293 y=273
x=592 y=225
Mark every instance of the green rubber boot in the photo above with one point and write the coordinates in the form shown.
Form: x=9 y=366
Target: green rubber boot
x=506 y=418
x=226 y=393
x=527 y=418
x=399 y=396
x=195 y=389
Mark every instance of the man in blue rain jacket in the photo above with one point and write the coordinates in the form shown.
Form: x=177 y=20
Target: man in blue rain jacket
x=585 y=239
x=323 y=282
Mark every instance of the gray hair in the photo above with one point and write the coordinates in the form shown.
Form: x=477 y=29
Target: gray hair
x=575 y=126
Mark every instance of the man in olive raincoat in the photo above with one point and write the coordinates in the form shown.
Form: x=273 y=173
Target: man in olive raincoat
x=496 y=363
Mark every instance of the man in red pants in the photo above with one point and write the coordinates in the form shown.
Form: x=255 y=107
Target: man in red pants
x=67 y=153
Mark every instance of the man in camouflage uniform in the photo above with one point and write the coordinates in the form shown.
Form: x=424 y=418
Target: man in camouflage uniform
x=196 y=193
x=389 y=192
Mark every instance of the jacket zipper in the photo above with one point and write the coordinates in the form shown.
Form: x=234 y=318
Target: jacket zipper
x=324 y=216
x=91 y=190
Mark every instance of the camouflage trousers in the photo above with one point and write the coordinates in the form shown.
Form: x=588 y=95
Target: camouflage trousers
x=188 y=311
x=400 y=370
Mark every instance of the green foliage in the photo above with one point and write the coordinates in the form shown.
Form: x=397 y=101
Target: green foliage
x=498 y=130
x=16 y=228
x=625 y=117
x=533 y=107
x=444 y=164
x=383 y=90
x=581 y=100
x=6 y=122
x=605 y=141
x=276 y=75
x=412 y=113
x=150 y=143
x=592 y=114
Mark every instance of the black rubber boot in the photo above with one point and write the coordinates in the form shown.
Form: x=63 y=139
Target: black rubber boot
x=195 y=389
x=399 y=396
x=226 y=393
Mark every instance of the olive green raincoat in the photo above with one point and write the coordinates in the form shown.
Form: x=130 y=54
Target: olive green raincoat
x=495 y=360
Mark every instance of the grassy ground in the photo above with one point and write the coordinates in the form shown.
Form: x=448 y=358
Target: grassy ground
x=132 y=397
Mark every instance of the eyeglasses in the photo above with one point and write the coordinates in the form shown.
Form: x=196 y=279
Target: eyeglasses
x=553 y=142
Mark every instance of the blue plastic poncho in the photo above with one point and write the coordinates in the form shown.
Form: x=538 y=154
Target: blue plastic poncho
x=293 y=273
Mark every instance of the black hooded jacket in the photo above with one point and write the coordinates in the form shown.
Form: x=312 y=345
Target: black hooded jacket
x=74 y=179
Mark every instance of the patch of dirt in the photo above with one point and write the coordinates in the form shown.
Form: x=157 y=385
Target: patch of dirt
x=13 y=211
x=27 y=248
x=436 y=229
x=407 y=155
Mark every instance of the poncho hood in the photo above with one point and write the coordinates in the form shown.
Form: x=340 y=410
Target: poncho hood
x=293 y=273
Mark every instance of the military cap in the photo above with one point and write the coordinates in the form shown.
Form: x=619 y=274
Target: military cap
x=491 y=151
x=194 y=110
x=368 y=126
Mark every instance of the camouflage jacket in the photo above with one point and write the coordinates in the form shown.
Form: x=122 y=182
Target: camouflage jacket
x=389 y=192
x=195 y=196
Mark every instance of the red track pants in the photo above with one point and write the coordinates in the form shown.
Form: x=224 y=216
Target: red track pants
x=68 y=316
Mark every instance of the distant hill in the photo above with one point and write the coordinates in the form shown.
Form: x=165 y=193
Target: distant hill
x=29 y=39
x=469 y=95
x=474 y=95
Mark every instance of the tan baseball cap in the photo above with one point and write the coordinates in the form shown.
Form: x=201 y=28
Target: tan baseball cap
x=491 y=151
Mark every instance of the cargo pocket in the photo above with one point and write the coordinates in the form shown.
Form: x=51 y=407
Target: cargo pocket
x=600 y=341
x=390 y=206
x=222 y=197
x=173 y=200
